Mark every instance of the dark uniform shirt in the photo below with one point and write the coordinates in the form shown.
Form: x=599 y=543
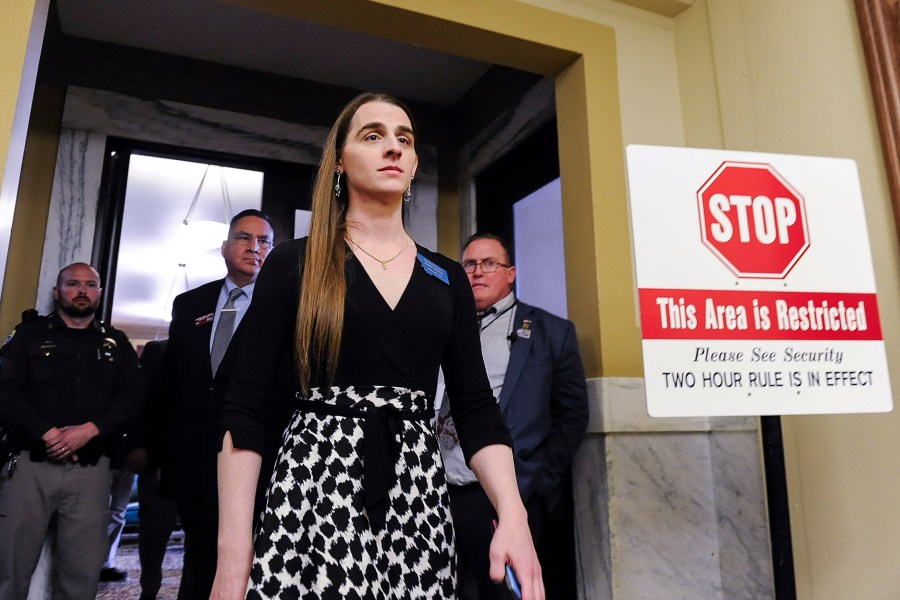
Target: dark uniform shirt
x=55 y=376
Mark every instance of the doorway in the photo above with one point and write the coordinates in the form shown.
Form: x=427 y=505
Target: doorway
x=163 y=214
x=518 y=197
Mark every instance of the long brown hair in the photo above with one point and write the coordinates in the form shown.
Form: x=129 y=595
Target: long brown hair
x=323 y=287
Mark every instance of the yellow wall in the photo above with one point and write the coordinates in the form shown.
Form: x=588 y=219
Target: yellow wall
x=776 y=76
x=790 y=77
x=17 y=64
x=32 y=206
x=14 y=30
x=25 y=173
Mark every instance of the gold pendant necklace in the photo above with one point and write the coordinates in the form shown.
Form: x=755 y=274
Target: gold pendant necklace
x=384 y=263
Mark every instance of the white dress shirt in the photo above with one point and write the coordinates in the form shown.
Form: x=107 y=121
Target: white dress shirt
x=495 y=349
x=241 y=304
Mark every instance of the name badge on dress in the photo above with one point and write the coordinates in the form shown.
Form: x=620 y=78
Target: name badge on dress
x=433 y=270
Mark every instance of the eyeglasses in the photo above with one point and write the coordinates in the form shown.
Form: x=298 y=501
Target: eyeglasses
x=243 y=239
x=488 y=265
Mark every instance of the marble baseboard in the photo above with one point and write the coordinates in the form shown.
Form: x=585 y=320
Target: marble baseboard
x=592 y=532
x=668 y=508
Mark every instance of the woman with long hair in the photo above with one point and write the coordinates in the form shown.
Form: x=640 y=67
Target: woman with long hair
x=357 y=504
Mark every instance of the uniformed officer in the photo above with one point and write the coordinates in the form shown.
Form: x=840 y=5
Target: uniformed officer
x=69 y=385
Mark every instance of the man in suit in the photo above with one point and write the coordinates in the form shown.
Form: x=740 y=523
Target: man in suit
x=535 y=370
x=202 y=347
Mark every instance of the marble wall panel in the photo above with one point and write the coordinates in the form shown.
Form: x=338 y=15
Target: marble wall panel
x=592 y=535
x=73 y=208
x=663 y=517
x=668 y=508
x=744 y=549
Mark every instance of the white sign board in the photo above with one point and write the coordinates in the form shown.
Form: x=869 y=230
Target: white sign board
x=757 y=295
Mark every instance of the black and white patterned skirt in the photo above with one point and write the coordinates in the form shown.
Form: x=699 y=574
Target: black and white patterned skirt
x=316 y=538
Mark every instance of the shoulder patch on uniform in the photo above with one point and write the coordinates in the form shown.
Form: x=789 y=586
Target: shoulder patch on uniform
x=8 y=338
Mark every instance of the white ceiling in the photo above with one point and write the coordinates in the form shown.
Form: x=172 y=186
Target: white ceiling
x=161 y=257
x=221 y=33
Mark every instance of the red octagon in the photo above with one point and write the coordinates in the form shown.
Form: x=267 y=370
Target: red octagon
x=753 y=220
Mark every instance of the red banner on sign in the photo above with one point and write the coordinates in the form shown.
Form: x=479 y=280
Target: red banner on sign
x=672 y=314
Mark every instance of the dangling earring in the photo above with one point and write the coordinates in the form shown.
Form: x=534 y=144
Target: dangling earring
x=407 y=195
x=337 y=185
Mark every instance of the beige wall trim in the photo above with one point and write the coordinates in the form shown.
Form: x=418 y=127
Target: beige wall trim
x=449 y=205
x=22 y=32
x=20 y=285
x=453 y=27
x=666 y=8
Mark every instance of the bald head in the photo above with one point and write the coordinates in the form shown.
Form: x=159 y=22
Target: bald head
x=77 y=293
x=79 y=265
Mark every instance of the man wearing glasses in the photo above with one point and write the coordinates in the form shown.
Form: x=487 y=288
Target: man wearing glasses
x=202 y=347
x=535 y=371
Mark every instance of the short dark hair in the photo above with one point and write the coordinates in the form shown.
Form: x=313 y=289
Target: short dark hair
x=250 y=212
x=483 y=235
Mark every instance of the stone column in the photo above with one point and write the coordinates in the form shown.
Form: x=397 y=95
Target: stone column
x=668 y=508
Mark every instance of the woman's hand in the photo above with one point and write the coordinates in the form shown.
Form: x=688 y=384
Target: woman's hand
x=512 y=545
x=232 y=574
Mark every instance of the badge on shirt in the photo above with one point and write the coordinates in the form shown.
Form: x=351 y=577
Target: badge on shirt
x=525 y=331
x=8 y=338
x=106 y=351
x=433 y=270
x=204 y=319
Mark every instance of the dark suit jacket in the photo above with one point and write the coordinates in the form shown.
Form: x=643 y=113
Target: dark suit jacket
x=543 y=400
x=152 y=421
x=189 y=473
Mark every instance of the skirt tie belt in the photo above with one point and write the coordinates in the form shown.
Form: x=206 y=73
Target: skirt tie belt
x=381 y=449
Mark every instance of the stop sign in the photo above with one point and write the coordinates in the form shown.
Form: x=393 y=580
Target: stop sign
x=753 y=220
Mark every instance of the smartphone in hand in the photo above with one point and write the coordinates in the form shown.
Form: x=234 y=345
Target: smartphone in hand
x=509 y=578
x=512 y=584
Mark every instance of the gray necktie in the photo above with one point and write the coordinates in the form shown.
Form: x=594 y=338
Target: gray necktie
x=224 y=330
